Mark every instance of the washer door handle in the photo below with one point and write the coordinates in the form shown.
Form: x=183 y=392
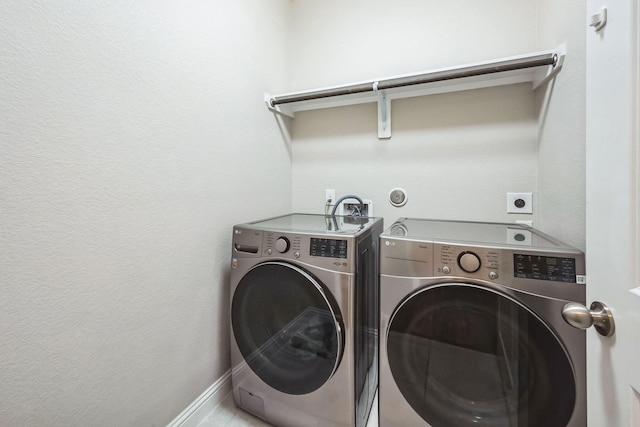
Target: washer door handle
x=598 y=315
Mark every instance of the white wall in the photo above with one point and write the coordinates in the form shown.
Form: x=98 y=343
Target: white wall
x=561 y=152
x=456 y=155
x=338 y=42
x=132 y=136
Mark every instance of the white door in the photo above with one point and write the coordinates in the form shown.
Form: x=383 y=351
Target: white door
x=613 y=258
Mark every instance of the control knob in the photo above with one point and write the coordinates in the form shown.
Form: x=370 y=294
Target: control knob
x=469 y=262
x=282 y=245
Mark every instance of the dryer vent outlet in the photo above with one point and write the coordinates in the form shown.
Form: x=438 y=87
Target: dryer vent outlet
x=398 y=197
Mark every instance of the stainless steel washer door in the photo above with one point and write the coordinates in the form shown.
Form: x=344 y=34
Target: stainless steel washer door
x=466 y=355
x=287 y=327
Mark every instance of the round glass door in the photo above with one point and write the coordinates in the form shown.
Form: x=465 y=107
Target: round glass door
x=287 y=327
x=469 y=356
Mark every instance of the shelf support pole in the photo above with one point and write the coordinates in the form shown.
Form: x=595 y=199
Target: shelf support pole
x=384 y=113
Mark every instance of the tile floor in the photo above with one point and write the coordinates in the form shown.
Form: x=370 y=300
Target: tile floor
x=228 y=415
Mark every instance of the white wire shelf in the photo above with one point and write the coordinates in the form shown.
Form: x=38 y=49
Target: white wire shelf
x=537 y=68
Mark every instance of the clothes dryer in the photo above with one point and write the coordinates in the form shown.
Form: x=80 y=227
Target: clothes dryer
x=304 y=318
x=472 y=332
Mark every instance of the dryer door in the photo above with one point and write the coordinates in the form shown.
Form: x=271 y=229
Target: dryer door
x=287 y=327
x=466 y=355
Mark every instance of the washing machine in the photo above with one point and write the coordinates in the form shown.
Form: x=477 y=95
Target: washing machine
x=304 y=319
x=471 y=328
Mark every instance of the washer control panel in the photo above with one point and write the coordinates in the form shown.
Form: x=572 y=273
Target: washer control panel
x=282 y=244
x=334 y=253
x=279 y=243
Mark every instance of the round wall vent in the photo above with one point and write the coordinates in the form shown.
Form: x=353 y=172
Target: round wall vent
x=398 y=197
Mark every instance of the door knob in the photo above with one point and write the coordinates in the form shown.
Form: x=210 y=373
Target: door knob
x=598 y=315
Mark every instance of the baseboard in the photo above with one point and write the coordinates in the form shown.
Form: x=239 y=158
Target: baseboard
x=204 y=404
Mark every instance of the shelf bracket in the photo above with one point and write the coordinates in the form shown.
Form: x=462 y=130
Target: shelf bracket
x=553 y=69
x=276 y=108
x=384 y=113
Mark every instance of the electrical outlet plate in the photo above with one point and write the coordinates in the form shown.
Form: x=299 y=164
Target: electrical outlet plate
x=519 y=203
x=330 y=195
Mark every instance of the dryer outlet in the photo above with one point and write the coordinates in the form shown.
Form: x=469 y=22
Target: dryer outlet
x=520 y=203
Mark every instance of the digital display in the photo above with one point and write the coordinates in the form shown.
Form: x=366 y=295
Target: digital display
x=544 y=268
x=330 y=248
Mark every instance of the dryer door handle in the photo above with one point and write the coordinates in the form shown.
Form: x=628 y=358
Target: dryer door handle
x=598 y=315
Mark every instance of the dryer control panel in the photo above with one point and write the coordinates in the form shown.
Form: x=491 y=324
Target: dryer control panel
x=500 y=254
x=556 y=274
x=478 y=262
x=542 y=267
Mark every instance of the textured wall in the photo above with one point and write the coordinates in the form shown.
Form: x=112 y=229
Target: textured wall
x=132 y=136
